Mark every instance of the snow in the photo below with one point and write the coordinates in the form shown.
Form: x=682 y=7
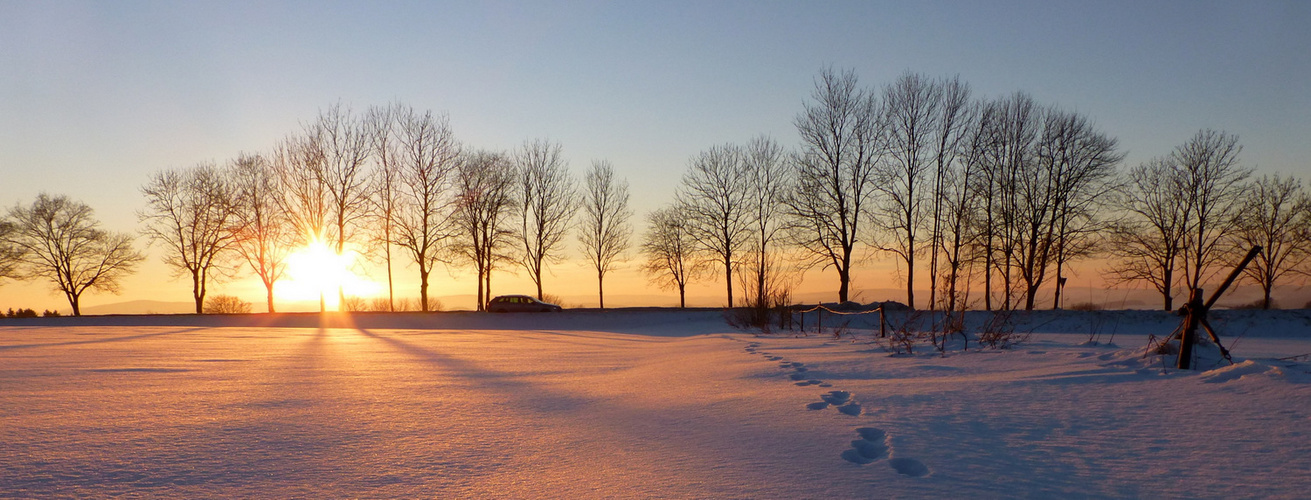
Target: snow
x=644 y=403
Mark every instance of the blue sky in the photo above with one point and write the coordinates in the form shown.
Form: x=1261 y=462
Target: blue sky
x=94 y=96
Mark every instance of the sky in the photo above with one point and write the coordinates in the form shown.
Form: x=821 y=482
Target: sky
x=96 y=96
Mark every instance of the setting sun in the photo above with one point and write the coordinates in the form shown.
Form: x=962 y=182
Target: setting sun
x=316 y=271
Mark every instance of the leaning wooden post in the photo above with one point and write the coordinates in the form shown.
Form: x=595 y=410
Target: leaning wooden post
x=819 y=321
x=1192 y=318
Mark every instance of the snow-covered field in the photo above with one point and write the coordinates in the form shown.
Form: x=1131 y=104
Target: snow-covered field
x=641 y=404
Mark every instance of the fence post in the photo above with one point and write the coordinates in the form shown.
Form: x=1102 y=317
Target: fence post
x=883 y=325
x=819 y=321
x=1191 y=320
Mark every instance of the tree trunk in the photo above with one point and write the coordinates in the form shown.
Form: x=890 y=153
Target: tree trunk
x=1169 y=300
x=682 y=297
x=600 y=289
x=844 y=282
x=74 y=301
x=910 y=280
x=269 y=288
x=423 y=291
x=728 y=279
x=391 y=289
x=482 y=303
x=197 y=294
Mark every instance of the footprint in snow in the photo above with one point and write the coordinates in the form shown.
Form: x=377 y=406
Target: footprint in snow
x=909 y=467
x=872 y=445
x=842 y=400
x=810 y=382
x=817 y=406
x=836 y=397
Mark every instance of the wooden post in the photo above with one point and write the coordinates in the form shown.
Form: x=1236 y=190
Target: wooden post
x=1192 y=318
x=819 y=321
x=883 y=325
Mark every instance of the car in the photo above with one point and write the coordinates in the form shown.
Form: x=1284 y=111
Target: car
x=520 y=303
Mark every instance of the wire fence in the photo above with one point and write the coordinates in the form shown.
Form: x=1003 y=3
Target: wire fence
x=819 y=311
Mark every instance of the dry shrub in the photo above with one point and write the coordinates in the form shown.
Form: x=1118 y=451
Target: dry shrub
x=904 y=335
x=381 y=304
x=1086 y=306
x=225 y=304
x=998 y=332
x=557 y=300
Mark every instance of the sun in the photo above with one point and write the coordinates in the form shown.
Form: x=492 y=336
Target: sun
x=316 y=271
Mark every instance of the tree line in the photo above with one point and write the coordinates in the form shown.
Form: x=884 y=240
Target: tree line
x=991 y=199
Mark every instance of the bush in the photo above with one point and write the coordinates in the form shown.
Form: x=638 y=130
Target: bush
x=49 y=314
x=763 y=316
x=1086 y=306
x=21 y=313
x=225 y=304
x=354 y=304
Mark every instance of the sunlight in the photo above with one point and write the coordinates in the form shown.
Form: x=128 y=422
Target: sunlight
x=316 y=269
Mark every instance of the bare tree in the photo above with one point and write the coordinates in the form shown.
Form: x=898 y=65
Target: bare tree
x=427 y=158
x=11 y=255
x=263 y=231
x=305 y=198
x=546 y=205
x=61 y=241
x=1150 y=238
x=484 y=203
x=380 y=123
x=1213 y=184
x=669 y=248
x=340 y=142
x=911 y=111
x=955 y=120
x=1010 y=191
x=715 y=198
x=841 y=145
x=192 y=213
x=1081 y=167
x=958 y=210
x=768 y=181
x=605 y=231
x=1275 y=214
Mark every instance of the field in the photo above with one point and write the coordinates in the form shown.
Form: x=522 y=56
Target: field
x=642 y=403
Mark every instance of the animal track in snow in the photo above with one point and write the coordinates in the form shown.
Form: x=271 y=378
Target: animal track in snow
x=810 y=382
x=852 y=409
